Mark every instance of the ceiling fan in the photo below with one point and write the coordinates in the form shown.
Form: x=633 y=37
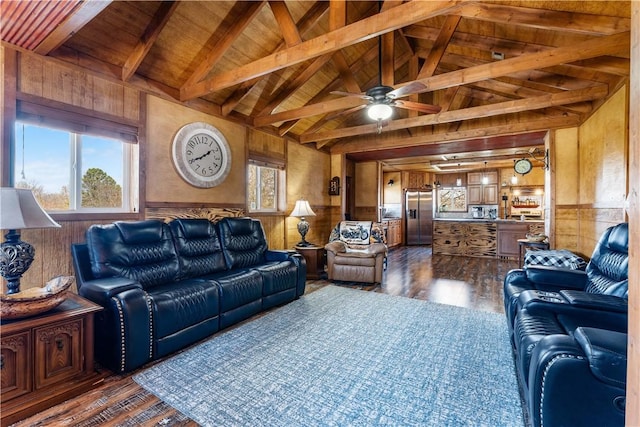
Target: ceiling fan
x=382 y=98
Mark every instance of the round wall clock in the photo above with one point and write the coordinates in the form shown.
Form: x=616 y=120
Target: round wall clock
x=522 y=166
x=201 y=155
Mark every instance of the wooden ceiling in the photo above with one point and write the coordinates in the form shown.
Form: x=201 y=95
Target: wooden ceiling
x=501 y=72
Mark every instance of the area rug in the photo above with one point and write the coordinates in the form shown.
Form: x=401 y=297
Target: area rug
x=344 y=357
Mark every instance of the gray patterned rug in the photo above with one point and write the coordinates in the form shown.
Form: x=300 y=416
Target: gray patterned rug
x=343 y=357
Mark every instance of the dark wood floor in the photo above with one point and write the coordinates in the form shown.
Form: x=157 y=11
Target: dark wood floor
x=412 y=272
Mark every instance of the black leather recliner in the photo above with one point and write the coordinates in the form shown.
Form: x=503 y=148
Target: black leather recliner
x=605 y=274
x=165 y=286
x=570 y=344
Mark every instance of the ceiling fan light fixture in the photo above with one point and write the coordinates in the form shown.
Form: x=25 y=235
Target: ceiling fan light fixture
x=379 y=111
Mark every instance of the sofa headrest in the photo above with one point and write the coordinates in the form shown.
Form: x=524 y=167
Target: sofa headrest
x=140 y=231
x=239 y=226
x=194 y=228
x=618 y=239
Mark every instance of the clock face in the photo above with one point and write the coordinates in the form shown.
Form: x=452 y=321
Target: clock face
x=522 y=166
x=201 y=155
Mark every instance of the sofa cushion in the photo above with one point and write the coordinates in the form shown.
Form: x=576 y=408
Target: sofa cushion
x=140 y=250
x=278 y=276
x=179 y=305
x=243 y=242
x=240 y=296
x=198 y=247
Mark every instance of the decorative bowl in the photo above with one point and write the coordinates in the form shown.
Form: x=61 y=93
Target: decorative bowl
x=536 y=237
x=33 y=301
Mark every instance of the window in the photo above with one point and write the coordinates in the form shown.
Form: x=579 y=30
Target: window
x=75 y=172
x=264 y=185
x=452 y=199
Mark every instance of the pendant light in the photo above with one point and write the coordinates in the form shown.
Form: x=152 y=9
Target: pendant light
x=459 y=179
x=485 y=178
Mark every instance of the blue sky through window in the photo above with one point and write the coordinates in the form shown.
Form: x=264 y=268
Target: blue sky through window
x=45 y=157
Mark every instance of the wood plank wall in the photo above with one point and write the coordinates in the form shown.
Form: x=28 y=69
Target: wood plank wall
x=590 y=189
x=633 y=350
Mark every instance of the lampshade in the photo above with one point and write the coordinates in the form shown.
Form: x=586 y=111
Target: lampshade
x=379 y=111
x=302 y=209
x=19 y=209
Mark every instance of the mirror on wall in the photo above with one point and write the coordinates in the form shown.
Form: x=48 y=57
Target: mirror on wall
x=452 y=199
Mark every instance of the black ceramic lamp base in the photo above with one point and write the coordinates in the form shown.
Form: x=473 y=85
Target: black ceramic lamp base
x=303 y=228
x=16 y=257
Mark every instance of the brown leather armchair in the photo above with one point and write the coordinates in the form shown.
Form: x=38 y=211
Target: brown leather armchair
x=356 y=252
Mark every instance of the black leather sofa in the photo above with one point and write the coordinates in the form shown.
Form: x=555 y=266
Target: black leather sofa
x=165 y=286
x=569 y=334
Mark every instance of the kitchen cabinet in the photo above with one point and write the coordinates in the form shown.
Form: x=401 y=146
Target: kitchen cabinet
x=479 y=193
x=394 y=232
x=417 y=180
x=47 y=359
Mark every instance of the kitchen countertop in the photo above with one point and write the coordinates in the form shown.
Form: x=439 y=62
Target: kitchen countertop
x=486 y=220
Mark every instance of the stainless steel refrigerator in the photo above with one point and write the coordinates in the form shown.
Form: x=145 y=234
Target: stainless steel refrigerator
x=419 y=215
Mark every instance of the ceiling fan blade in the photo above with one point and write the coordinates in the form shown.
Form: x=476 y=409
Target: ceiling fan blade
x=408 y=89
x=359 y=95
x=417 y=106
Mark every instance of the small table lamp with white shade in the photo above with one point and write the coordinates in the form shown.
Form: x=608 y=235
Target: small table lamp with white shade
x=302 y=210
x=19 y=209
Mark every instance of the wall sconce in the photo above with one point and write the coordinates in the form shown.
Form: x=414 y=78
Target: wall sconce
x=514 y=179
x=436 y=184
x=302 y=210
x=390 y=183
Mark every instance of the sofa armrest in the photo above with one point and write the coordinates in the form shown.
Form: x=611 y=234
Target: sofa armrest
x=606 y=352
x=123 y=331
x=377 y=248
x=336 y=247
x=278 y=255
x=553 y=277
x=595 y=301
x=100 y=291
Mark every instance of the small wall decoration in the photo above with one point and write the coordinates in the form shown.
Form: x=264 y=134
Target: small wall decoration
x=201 y=155
x=334 y=186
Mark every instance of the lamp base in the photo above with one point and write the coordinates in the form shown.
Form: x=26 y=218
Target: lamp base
x=303 y=228
x=16 y=257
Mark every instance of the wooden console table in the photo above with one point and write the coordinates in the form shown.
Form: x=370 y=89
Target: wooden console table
x=47 y=359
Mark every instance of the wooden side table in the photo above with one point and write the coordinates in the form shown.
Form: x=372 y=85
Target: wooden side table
x=47 y=359
x=314 y=256
x=523 y=244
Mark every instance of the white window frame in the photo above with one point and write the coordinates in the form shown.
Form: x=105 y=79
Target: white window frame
x=130 y=190
x=280 y=184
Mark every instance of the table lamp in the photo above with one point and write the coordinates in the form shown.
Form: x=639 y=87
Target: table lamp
x=302 y=210
x=18 y=209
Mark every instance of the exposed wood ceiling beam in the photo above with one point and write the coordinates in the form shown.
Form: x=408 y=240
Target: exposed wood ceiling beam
x=149 y=37
x=462 y=146
x=588 y=49
x=357 y=32
x=439 y=46
x=380 y=142
x=240 y=21
x=285 y=22
x=507 y=107
x=547 y=20
x=308 y=21
x=85 y=12
x=584 y=50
